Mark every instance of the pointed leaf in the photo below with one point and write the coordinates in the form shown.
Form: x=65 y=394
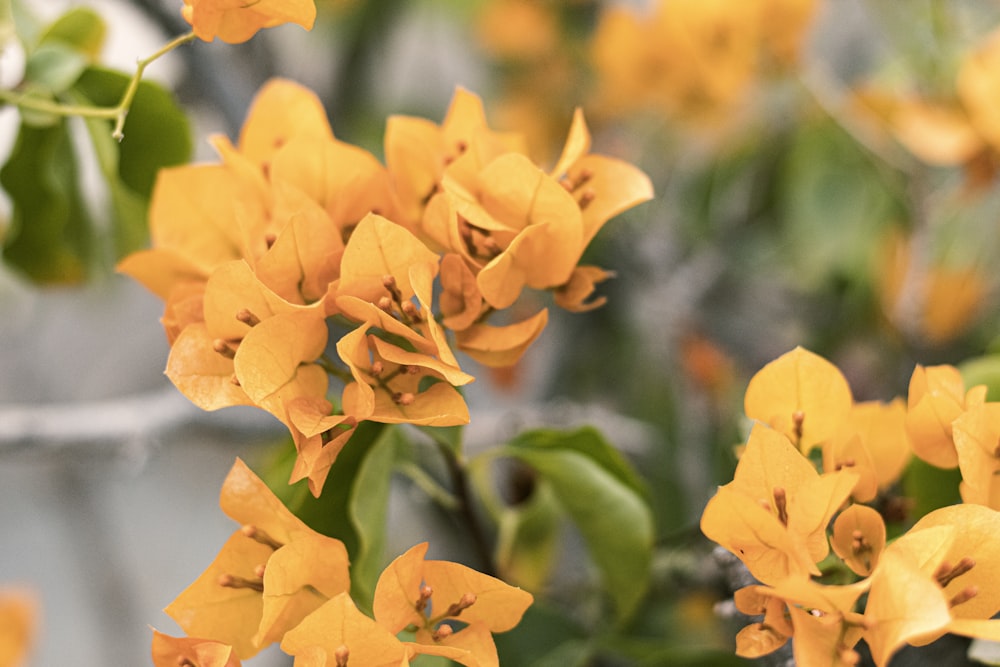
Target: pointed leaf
x=49 y=238
x=612 y=517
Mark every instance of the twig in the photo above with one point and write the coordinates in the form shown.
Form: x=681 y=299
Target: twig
x=116 y=113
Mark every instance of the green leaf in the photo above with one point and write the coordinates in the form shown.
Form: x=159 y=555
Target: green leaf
x=611 y=515
x=26 y=24
x=589 y=442
x=930 y=487
x=80 y=28
x=54 y=67
x=545 y=637
x=49 y=238
x=368 y=511
x=527 y=539
x=157 y=135
x=157 y=131
x=835 y=206
x=448 y=436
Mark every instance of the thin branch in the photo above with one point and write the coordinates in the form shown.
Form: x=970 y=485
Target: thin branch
x=116 y=113
x=460 y=484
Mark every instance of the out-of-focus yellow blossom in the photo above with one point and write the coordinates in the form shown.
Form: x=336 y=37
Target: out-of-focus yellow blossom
x=694 y=60
x=236 y=21
x=935 y=303
x=18 y=625
x=937 y=397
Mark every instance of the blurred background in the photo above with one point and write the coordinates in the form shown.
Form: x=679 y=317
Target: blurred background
x=825 y=173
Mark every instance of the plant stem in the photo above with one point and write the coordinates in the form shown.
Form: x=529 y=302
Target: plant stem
x=116 y=113
x=460 y=484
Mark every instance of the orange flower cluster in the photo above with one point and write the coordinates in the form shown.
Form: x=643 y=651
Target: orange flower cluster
x=957 y=127
x=276 y=580
x=695 y=59
x=300 y=258
x=781 y=516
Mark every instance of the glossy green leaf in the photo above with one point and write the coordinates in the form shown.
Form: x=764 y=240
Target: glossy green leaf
x=80 y=28
x=49 y=237
x=613 y=518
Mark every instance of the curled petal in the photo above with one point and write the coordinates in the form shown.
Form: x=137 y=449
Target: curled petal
x=501 y=346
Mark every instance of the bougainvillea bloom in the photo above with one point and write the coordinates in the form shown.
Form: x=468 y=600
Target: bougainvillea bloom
x=976 y=433
x=191 y=652
x=338 y=635
x=872 y=442
x=236 y=21
x=859 y=538
x=820 y=618
x=447 y=605
x=774 y=513
x=800 y=394
x=271 y=573
x=937 y=397
x=925 y=298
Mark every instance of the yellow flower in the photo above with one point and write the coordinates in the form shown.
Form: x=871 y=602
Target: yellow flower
x=872 y=442
x=417 y=152
x=820 y=618
x=859 y=538
x=775 y=512
x=269 y=575
x=428 y=594
x=937 y=578
x=935 y=303
x=236 y=21
x=337 y=635
x=191 y=652
x=800 y=394
x=976 y=434
x=18 y=620
x=936 y=398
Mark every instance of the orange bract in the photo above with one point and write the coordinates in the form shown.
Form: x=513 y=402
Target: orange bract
x=425 y=593
x=236 y=21
x=937 y=397
x=173 y=651
x=338 y=629
x=977 y=443
x=800 y=394
x=231 y=602
x=774 y=513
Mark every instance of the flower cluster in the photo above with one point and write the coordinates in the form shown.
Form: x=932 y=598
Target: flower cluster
x=693 y=59
x=953 y=127
x=781 y=516
x=277 y=580
x=301 y=257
